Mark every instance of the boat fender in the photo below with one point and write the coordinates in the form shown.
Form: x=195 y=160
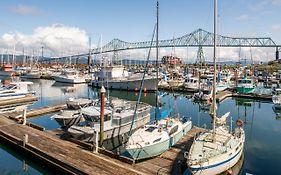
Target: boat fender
x=239 y=122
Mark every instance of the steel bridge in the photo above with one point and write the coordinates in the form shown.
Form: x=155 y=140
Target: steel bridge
x=198 y=38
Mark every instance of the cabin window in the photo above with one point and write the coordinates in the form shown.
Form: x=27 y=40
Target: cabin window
x=150 y=129
x=174 y=129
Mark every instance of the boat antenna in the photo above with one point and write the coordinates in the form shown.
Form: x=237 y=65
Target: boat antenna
x=102 y=61
x=213 y=114
x=157 y=55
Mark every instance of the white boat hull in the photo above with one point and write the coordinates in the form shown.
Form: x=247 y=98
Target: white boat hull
x=219 y=167
x=89 y=135
x=130 y=84
x=69 y=80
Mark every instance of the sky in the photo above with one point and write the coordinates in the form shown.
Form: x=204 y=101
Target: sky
x=64 y=26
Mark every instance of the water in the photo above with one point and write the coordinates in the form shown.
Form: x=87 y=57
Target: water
x=262 y=125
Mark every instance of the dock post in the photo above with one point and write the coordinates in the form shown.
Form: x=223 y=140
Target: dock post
x=102 y=94
x=24 y=116
x=25 y=140
x=96 y=143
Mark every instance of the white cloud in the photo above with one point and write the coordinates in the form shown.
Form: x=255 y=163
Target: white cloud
x=243 y=17
x=57 y=39
x=24 y=10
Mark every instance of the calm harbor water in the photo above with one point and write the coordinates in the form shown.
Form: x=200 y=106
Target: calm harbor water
x=262 y=125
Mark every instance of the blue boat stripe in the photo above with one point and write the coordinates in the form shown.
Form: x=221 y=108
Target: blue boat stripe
x=212 y=166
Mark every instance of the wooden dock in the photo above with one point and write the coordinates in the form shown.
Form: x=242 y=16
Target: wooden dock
x=21 y=100
x=62 y=155
x=172 y=161
x=225 y=94
x=36 y=112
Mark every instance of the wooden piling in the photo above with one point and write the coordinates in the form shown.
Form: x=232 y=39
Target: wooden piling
x=102 y=94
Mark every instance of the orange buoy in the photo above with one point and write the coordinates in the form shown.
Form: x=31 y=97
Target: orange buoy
x=144 y=90
x=136 y=89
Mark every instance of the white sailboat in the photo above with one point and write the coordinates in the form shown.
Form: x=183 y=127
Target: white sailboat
x=219 y=149
x=155 y=138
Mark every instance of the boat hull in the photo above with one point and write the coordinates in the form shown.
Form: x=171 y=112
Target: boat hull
x=67 y=122
x=218 y=168
x=245 y=90
x=71 y=81
x=150 y=84
x=90 y=135
x=14 y=95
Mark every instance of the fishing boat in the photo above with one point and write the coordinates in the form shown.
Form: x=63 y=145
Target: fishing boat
x=157 y=137
x=67 y=118
x=192 y=83
x=71 y=77
x=117 y=120
x=217 y=150
x=245 y=85
x=7 y=70
x=78 y=103
x=15 y=90
x=116 y=77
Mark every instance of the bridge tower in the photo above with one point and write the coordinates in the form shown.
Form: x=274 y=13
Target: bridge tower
x=200 y=56
x=115 y=58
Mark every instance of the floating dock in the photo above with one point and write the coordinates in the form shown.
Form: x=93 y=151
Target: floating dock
x=21 y=100
x=225 y=94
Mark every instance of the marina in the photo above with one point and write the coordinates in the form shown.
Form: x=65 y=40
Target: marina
x=198 y=120
x=76 y=101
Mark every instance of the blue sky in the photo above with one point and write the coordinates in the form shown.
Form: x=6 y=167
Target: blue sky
x=133 y=20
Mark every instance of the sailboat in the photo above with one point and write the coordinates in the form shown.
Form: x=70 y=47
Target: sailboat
x=155 y=138
x=219 y=149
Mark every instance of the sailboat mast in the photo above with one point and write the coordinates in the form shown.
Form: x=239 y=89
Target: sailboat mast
x=157 y=50
x=215 y=69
